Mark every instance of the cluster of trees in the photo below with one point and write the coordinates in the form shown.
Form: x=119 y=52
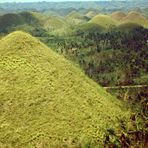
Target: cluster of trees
x=137 y=134
x=114 y=57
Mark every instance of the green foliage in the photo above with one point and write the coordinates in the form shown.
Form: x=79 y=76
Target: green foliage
x=114 y=57
x=88 y=28
x=136 y=134
x=9 y=22
x=127 y=27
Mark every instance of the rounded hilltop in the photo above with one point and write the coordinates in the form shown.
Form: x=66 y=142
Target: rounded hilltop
x=135 y=17
x=89 y=28
x=103 y=20
x=74 y=15
x=54 y=23
x=118 y=15
x=75 y=18
x=46 y=100
x=91 y=14
x=11 y=20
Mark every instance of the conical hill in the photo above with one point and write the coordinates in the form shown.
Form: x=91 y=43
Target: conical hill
x=45 y=101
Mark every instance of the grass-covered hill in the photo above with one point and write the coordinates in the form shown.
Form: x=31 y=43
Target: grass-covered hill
x=127 y=27
x=74 y=15
x=75 y=18
x=45 y=101
x=118 y=15
x=56 y=23
x=12 y=20
x=103 y=20
x=119 y=18
x=89 y=28
x=9 y=20
x=91 y=14
x=137 y=18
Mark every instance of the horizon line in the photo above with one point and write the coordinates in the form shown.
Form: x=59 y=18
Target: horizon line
x=56 y=1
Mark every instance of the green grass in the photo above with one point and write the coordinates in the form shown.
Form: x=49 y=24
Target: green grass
x=103 y=20
x=45 y=101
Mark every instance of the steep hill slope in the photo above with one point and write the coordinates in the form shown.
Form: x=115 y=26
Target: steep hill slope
x=45 y=101
x=103 y=20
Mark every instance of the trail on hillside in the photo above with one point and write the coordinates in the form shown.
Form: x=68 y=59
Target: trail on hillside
x=124 y=87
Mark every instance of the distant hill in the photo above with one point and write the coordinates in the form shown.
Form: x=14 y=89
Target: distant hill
x=91 y=14
x=75 y=18
x=74 y=15
x=137 y=18
x=125 y=27
x=145 y=12
x=10 y=20
x=103 y=20
x=89 y=28
x=55 y=22
x=118 y=16
x=47 y=101
x=106 y=5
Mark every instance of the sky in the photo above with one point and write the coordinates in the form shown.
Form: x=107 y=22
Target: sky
x=2 y=1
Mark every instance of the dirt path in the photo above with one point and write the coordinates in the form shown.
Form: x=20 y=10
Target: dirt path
x=126 y=87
